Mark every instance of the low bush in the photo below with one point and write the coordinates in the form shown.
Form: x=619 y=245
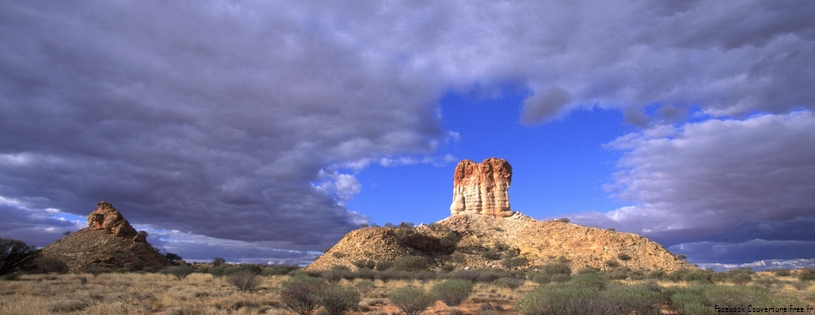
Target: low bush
x=801 y=285
x=391 y=274
x=782 y=272
x=617 y=274
x=244 y=280
x=364 y=287
x=557 y=268
x=336 y=300
x=279 y=270
x=383 y=265
x=247 y=267
x=591 y=281
x=509 y=282
x=364 y=273
x=560 y=278
x=589 y=270
x=631 y=300
x=216 y=272
x=452 y=291
x=559 y=300
x=302 y=294
x=541 y=278
x=51 y=265
x=411 y=301
x=702 y=276
x=656 y=275
x=806 y=274
x=491 y=254
x=333 y=277
x=179 y=272
x=365 y=263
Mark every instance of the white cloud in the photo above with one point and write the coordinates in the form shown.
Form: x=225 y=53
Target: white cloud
x=720 y=179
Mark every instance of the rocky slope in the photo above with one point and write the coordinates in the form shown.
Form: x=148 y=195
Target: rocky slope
x=109 y=241
x=478 y=241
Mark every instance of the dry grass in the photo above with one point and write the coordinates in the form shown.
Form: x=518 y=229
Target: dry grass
x=134 y=294
x=202 y=294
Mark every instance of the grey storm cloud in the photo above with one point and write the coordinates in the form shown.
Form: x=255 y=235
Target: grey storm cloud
x=728 y=182
x=216 y=117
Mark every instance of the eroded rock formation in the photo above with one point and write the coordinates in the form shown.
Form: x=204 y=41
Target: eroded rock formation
x=482 y=188
x=106 y=217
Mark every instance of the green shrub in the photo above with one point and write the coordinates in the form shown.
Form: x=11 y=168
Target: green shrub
x=557 y=268
x=677 y=275
x=364 y=273
x=559 y=300
x=509 y=282
x=244 y=280
x=246 y=267
x=617 y=274
x=806 y=274
x=656 y=274
x=383 y=265
x=179 y=272
x=636 y=275
x=333 y=277
x=560 y=278
x=684 y=299
x=592 y=281
x=541 y=278
x=769 y=283
x=703 y=276
x=364 y=287
x=411 y=301
x=591 y=270
x=631 y=300
x=447 y=268
x=365 y=263
x=782 y=272
x=453 y=291
x=279 y=270
x=336 y=300
x=491 y=254
x=217 y=261
x=51 y=265
x=801 y=285
x=302 y=294
x=216 y=272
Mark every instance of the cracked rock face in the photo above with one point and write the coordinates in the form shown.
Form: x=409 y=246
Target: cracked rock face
x=482 y=188
x=106 y=217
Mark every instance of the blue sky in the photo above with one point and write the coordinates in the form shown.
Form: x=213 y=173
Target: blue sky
x=264 y=131
x=559 y=168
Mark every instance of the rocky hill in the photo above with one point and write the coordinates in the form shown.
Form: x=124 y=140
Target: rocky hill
x=483 y=233
x=109 y=241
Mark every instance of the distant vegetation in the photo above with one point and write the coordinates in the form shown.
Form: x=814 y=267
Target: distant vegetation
x=406 y=284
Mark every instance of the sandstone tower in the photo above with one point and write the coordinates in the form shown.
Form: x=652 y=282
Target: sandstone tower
x=482 y=188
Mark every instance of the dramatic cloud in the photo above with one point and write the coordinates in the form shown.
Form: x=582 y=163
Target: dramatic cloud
x=239 y=120
x=727 y=190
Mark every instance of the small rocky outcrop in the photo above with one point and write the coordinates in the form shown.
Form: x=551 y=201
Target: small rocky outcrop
x=108 y=242
x=482 y=188
x=107 y=218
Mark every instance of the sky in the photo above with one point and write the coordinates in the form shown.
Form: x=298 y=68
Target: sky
x=263 y=131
